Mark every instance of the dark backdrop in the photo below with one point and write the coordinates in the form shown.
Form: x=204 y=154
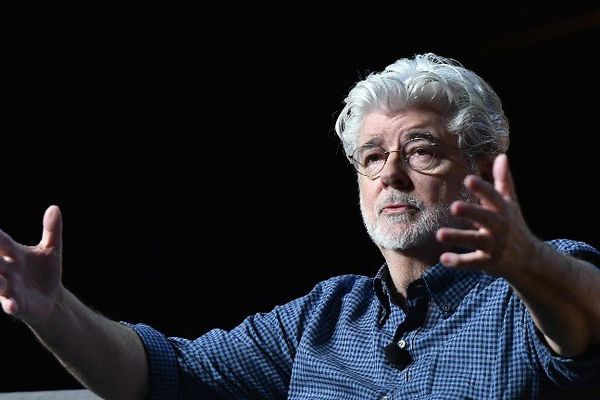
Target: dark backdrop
x=191 y=146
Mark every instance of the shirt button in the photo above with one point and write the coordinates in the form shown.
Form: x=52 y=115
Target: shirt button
x=446 y=307
x=384 y=398
x=402 y=343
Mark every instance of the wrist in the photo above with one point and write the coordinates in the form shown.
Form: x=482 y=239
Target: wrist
x=530 y=265
x=57 y=315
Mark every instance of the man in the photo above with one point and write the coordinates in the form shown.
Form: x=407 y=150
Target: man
x=469 y=303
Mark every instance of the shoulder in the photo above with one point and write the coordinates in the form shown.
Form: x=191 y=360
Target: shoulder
x=339 y=288
x=576 y=249
x=569 y=246
x=328 y=300
x=345 y=283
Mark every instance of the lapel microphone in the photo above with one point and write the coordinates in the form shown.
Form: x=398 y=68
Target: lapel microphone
x=396 y=353
x=397 y=357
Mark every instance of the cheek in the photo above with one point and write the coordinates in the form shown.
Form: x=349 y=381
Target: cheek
x=429 y=190
x=367 y=195
x=437 y=191
x=448 y=192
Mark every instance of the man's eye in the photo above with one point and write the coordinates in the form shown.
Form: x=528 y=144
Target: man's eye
x=422 y=151
x=373 y=158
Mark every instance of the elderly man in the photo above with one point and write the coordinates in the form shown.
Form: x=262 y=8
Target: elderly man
x=469 y=303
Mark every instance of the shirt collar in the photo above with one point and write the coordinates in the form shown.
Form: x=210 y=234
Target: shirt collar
x=446 y=286
x=381 y=287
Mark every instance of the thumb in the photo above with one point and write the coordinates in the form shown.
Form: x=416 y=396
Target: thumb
x=503 y=180
x=52 y=233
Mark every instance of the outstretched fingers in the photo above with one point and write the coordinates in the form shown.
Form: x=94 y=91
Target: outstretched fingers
x=8 y=249
x=485 y=192
x=497 y=220
x=477 y=214
x=494 y=195
x=8 y=246
x=5 y=262
x=9 y=305
x=468 y=260
x=472 y=239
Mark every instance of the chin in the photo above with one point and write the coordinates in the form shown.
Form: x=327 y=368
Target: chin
x=403 y=240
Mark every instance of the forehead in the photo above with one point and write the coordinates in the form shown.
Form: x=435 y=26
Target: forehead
x=381 y=128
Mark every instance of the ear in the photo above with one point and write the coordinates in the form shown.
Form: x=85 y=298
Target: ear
x=485 y=166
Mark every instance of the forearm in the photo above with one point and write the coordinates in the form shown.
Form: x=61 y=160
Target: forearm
x=105 y=356
x=562 y=295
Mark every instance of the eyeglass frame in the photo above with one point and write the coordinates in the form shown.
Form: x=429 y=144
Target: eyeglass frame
x=387 y=153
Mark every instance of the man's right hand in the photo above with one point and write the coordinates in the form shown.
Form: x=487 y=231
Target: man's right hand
x=30 y=276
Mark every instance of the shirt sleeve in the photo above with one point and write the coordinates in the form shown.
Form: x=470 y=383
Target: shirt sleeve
x=251 y=361
x=581 y=372
x=162 y=362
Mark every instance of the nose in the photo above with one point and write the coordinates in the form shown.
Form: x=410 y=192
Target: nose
x=394 y=172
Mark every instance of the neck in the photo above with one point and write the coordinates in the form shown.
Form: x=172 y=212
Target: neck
x=407 y=266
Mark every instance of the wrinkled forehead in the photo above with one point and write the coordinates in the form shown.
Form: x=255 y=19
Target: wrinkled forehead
x=386 y=129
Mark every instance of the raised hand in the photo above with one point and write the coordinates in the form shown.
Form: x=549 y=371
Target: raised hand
x=501 y=239
x=30 y=276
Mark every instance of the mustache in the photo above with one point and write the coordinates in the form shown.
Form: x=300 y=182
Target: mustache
x=399 y=197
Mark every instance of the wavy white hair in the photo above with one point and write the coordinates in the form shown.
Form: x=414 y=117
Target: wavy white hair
x=473 y=109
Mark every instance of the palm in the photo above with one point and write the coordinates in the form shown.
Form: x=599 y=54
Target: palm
x=40 y=284
x=32 y=274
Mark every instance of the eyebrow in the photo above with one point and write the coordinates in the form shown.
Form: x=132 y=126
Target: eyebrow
x=376 y=140
x=422 y=135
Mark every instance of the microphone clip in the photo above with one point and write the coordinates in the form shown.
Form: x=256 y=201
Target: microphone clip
x=397 y=357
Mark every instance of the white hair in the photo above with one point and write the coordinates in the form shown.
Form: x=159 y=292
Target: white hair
x=473 y=109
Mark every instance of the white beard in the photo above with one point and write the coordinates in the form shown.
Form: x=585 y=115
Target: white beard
x=421 y=223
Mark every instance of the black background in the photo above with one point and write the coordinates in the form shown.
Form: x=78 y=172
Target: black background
x=191 y=148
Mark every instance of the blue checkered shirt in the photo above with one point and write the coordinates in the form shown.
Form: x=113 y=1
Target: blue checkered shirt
x=476 y=341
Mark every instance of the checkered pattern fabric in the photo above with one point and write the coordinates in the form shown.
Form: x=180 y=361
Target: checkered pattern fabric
x=477 y=341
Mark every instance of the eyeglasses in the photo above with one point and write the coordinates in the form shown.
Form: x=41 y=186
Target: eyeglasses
x=418 y=154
